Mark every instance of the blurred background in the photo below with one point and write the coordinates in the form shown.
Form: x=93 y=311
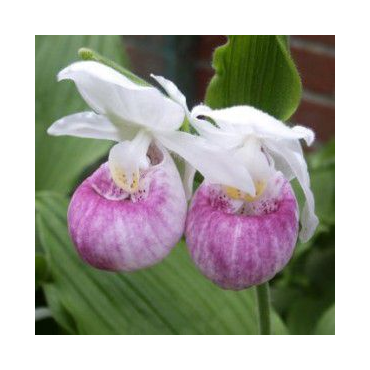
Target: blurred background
x=303 y=294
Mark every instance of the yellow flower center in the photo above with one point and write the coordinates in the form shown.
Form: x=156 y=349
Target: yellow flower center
x=238 y=194
x=130 y=184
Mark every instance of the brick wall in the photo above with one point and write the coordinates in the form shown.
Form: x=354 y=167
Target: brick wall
x=187 y=61
x=315 y=59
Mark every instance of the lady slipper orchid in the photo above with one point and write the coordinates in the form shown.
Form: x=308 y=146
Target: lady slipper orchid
x=131 y=212
x=265 y=145
x=243 y=238
x=239 y=239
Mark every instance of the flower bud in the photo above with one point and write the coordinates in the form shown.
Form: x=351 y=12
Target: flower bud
x=238 y=244
x=120 y=231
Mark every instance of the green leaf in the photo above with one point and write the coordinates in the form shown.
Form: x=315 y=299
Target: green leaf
x=41 y=270
x=284 y=39
x=283 y=297
x=169 y=298
x=322 y=184
x=60 y=313
x=326 y=324
x=256 y=71
x=322 y=174
x=60 y=160
x=304 y=314
x=324 y=158
x=320 y=266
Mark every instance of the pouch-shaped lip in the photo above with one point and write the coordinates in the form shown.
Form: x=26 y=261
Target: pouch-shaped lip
x=237 y=251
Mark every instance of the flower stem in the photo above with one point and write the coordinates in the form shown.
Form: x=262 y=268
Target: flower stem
x=263 y=299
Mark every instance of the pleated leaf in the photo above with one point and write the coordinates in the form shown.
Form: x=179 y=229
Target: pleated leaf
x=60 y=160
x=256 y=71
x=169 y=298
x=326 y=324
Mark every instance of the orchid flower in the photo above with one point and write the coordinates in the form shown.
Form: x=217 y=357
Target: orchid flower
x=134 y=116
x=262 y=233
x=265 y=145
x=242 y=238
x=132 y=210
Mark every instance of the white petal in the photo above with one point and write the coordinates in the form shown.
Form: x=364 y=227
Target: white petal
x=295 y=160
x=218 y=166
x=172 y=90
x=278 y=161
x=249 y=120
x=204 y=128
x=224 y=138
x=280 y=164
x=127 y=158
x=124 y=102
x=305 y=133
x=87 y=125
x=223 y=118
x=188 y=179
x=255 y=160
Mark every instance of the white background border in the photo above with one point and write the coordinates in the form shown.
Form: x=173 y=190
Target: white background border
x=20 y=22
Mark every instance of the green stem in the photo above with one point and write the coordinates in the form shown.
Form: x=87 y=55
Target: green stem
x=263 y=299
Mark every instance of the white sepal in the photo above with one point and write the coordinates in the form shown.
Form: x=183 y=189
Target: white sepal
x=217 y=165
x=172 y=90
x=296 y=164
x=125 y=103
x=255 y=160
x=305 y=133
x=188 y=179
x=247 y=120
x=87 y=125
x=203 y=127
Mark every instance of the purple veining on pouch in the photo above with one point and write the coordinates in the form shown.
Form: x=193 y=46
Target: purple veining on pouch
x=238 y=250
x=116 y=231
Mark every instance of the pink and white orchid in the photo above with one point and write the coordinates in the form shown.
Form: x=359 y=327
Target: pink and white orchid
x=239 y=238
x=131 y=211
